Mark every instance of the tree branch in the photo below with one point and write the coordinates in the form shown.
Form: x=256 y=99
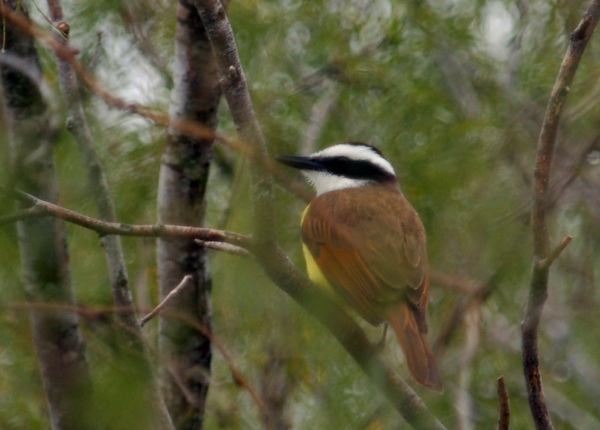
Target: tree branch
x=42 y=208
x=503 y=404
x=225 y=247
x=184 y=283
x=539 y=279
x=545 y=263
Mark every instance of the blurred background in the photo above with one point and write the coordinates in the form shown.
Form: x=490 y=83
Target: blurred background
x=454 y=93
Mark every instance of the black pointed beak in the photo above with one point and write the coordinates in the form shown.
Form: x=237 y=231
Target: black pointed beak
x=302 y=163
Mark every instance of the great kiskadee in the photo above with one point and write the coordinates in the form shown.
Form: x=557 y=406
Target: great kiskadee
x=364 y=241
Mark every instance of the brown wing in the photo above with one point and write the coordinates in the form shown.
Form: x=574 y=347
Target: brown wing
x=367 y=267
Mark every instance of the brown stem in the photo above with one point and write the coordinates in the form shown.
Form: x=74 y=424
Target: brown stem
x=225 y=247
x=554 y=254
x=503 y=404
x=43 y=208
x=541 y=241
x=184 y=283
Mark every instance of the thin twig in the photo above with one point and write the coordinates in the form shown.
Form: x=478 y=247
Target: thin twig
x=503 y=404
x=32 y=212
x=165 y=301
x=225 y=247
x=547 y=262
x=539 y=279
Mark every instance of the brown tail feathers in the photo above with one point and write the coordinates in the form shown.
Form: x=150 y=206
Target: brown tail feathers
x=419 y=358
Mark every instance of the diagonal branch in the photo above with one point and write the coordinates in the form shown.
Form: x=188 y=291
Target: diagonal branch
x=184 y=283
x=539 y=279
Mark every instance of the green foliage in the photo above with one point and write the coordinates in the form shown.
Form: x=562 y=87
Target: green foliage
x=453 y=93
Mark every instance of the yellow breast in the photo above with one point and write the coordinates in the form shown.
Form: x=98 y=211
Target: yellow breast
x=312 y=268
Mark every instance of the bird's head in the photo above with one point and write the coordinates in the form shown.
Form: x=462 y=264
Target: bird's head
x=344 y=165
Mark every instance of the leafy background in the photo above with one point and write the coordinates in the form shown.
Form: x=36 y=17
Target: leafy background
x=454 y=93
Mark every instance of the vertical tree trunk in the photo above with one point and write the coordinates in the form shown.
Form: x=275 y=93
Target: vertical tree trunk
x=181 y=200
x=42 y=241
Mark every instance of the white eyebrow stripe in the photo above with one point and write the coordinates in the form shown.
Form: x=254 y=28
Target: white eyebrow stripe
x=356 y=152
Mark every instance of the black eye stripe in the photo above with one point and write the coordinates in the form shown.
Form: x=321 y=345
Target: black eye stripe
x=355 y=169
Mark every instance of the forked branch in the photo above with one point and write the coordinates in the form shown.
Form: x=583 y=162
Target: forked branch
x=543 y=256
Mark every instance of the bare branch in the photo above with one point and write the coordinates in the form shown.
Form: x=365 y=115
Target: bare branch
x=545 y=263
x=225 y=247
x=235 y=90
x=163 y=303
x=539 y=279
x=503 y=404
x=32 y=212
x=43 y=208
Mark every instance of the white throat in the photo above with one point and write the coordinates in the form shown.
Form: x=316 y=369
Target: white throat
x=325 y=182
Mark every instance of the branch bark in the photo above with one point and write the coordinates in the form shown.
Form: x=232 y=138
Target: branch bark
x=268 y=252
x=58 y=341
x=42 y=208
x=185 y=282
x=181 y=200
x=541 y=240
x=503 y=405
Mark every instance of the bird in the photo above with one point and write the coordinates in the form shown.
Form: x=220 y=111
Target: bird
x=365 y=246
